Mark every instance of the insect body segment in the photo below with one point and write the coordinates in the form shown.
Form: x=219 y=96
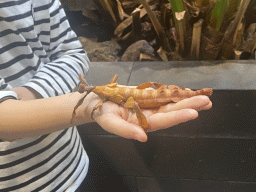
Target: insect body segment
x=139 y=97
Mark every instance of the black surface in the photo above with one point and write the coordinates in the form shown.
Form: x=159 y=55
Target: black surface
x=174 y=157
x=149 y=184
x=110 y=182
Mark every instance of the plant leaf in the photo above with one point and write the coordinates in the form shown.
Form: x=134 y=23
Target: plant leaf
x=218 y=13
x=227 y=48
x=157 y=26
x=196 y=40
x=127 y=22
x=120 y=10
x=109 y=8
x=162 y=54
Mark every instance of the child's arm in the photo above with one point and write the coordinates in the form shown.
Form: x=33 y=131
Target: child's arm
x=20 y=119
x=26 y=93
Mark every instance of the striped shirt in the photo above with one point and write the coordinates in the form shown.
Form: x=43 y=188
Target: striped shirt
x=39 y=50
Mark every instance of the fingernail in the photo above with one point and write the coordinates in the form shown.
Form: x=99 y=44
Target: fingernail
x=138 y=138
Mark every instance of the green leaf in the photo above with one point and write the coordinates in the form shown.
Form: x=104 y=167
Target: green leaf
x=218 y=13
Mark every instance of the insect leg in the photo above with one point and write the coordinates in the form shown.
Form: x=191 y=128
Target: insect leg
x=77 y=105
x=132 y=104
x=113 y=80
x=99 y=104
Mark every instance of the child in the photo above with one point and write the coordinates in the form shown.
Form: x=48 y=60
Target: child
x=39 y=65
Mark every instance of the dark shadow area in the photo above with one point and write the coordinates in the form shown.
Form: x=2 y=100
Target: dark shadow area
x=146 y=184
x=108 y=182
x=102 y=175
x=88 y=28
x=233 y=115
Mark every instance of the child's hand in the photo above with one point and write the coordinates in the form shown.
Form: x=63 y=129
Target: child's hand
x=121 y=121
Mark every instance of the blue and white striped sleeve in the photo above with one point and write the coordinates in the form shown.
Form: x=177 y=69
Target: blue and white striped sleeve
x=67 y=57
x=6 y=91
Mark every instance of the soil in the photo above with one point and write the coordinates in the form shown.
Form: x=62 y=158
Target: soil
x=107 y=51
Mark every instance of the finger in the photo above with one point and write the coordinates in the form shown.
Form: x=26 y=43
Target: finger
x=165 y=120
x=207 y=107
x=118 y=126
x=197 y=102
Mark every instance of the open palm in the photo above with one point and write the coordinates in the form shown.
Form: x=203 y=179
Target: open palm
x=123 y=122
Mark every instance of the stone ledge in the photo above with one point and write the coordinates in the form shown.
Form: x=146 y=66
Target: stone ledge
x=227 y=75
